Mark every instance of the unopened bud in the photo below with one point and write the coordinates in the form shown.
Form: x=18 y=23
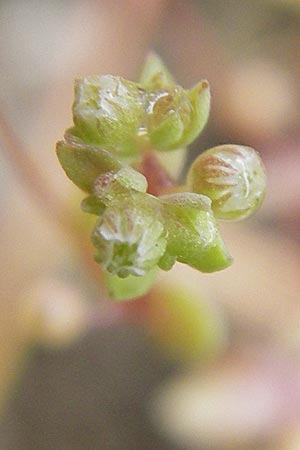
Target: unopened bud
x=233 y=176
x=108 y=111
x=155 y=74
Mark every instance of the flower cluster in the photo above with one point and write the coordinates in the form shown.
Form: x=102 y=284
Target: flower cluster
x=116 y=122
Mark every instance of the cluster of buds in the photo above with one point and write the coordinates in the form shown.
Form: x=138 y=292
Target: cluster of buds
x=115 y=123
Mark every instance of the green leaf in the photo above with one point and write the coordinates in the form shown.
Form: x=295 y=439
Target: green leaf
x=193 y=235
x=129 y=288
x=84 y=163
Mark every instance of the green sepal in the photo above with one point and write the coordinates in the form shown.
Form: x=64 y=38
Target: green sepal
x=93 y=205
x=176 y=117
x=200 y=102
x=193 y=235
x=155 y=74
x=169 y=131
x=83 y=163
x=129 y=288
x=73 y=136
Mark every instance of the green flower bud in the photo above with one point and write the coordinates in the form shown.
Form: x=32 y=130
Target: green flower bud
x=175 y=117
x=155 y=75
x=193 y=235
x=233 y=176
x=108 y=111
x=129 y=237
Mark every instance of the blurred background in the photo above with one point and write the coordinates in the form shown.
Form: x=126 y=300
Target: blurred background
x=205 y=362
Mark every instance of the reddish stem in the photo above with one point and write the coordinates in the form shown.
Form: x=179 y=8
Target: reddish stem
x=158 y=179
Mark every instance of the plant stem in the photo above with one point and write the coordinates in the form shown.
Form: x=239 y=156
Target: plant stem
x=158 y=180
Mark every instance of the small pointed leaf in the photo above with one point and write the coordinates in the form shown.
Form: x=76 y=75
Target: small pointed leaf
x=193 y=235
x=84 y=163
x=155 y=74
x=200 y=103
